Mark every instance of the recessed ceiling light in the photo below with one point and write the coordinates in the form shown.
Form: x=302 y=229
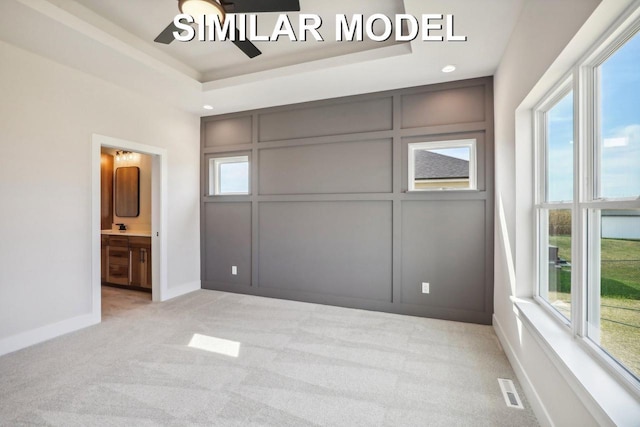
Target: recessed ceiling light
x=449 y=69
x=207 y=107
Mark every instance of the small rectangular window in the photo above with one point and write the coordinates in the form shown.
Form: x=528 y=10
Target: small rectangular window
x=229 y=175
x=442 y=165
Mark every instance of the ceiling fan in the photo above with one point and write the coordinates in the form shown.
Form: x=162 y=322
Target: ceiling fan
x=221 y=8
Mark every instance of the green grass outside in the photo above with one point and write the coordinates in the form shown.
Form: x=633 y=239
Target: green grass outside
x=620 y=296
x=619 y=332
x=620 y=275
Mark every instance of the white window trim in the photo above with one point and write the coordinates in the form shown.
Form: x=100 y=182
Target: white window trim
x=456 y=143
x=587 y=202
x=214 y=178
x=540 y=204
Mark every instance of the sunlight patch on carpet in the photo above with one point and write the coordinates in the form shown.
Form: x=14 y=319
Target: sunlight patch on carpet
x=215 y=345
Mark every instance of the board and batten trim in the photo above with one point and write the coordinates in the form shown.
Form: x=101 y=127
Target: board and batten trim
x=300 y=129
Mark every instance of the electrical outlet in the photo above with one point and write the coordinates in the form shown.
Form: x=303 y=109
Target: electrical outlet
x=234 y=270
x=425 y=287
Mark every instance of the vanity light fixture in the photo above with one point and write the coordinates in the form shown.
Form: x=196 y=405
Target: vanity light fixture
x=122 y=156
x=449 y=69
x=201 y=7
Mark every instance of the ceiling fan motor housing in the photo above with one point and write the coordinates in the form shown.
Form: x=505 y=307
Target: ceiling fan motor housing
x=197 y=8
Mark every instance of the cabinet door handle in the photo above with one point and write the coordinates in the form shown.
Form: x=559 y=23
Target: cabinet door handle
x=142 y=253
x=130 y=255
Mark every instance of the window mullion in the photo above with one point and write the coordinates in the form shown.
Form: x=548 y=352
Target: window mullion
x=594 y=142
x=540 y=163
x=586 y=129
x=592 y=303
x=578 y=256
x=542 y=289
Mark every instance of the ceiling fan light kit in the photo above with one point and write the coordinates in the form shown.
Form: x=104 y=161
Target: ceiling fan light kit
x=204 y=8
x=201 y=8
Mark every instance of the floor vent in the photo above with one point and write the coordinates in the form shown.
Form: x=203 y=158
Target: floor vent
x=510 y=394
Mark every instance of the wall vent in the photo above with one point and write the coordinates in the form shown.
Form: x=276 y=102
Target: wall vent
x=510 y=394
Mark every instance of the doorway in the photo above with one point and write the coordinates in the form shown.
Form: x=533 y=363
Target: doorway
x=125 y=231
x=155 y=230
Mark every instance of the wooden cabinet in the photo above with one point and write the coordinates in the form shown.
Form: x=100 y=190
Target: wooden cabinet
x=140 y=248
x=104 y=244
x=118 y=260
x=128 y=261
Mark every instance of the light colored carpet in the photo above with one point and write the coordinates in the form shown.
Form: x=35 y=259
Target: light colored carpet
x=297 y=364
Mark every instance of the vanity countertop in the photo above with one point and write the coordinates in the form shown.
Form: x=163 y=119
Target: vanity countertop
x=126 y=233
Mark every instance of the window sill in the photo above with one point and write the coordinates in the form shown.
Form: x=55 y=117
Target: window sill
x=608 y=401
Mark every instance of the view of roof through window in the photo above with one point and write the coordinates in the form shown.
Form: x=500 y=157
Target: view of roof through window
x=442 y=167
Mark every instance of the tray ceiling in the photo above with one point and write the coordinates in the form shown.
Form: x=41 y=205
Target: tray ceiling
x=114 y=41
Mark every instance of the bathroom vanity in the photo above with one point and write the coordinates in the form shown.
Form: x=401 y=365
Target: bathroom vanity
x=126 y=260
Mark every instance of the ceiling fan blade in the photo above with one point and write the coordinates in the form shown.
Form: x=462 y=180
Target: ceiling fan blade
x=166 y=36
x=255 y=6
x=246 y=46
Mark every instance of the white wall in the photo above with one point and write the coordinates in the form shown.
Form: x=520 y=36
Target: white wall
x=544 y=30
x=48 y=113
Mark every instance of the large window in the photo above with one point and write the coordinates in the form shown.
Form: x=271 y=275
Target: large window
x=588 y=203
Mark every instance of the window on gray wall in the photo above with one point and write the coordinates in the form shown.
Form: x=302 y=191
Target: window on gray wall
x=229 y=176
x=442 y=165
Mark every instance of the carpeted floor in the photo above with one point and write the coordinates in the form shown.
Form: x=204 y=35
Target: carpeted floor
x=212 y=358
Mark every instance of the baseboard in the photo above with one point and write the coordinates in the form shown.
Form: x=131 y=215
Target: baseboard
x=183 y=289
x=384 y=306
x=45 y=333
x=532 y=395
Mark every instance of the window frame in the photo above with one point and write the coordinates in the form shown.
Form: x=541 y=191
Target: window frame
x=214 y=164
x=541 y=205
x=470 y=143
x=587 y=205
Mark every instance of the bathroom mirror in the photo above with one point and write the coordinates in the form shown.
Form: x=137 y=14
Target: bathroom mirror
x=127 y=191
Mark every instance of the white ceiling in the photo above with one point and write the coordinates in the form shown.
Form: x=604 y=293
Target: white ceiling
x=114 y=41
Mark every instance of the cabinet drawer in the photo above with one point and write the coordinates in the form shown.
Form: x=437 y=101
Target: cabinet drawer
x=140 y=242
x=118 y=256
x=120 y=241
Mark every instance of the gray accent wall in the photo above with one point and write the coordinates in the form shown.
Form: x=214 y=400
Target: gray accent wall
x=329 y=219
x=298 y=240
